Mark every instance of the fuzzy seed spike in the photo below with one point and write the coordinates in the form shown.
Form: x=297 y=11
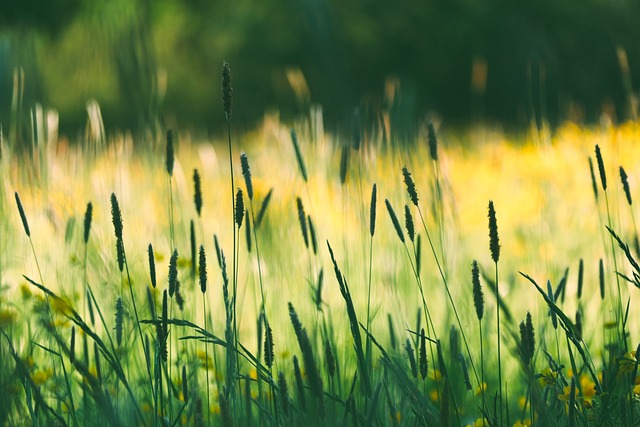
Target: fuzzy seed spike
x=227 y=91
x=268 y=347
x=424 y=364
x=344 y=163
x=411 y=186
x=408 y=348
x=87 y=221
x=173 y=272
x=433 y=141
x=603 y=175
x=299 y=158
x=197 y=194
x=478 y=297
x=170 y=157
x=116 y=216
x=394 y=220
x=23 y=217
x=202 y=269
x=494 y=241
x=152 y=266
x=372 y=210
x=625 y=185
x=239 y=214
x=408 y=222
x=119 y=321
x=246 y=173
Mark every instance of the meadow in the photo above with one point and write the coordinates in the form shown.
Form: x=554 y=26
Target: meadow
x=290 y=277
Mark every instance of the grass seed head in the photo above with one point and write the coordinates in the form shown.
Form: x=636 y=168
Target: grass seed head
x=344 y=163
x=202 y=269
x=151 y=302
x=119 y=320
x=408 y=222
x=299 y=384
x=494 y=241
x=284 y=393
x=170 y=157
x=372 y=210
x=246 y=173
x=173 y=272
x=227 y=91
x=268 y=347
x=302 y=218
x=299 y=158
x=392 y=332
x=185 y=385
x=411 y=186
x=120 y=253
x=116 y=216
x=394 y=220
x=87 y=221
x=408 y=348
x=239 y=208
x=330 y=359
x=603 y=175
x=478 y=297
x=625 y=185
x=152 y=266
x=424 y=364
x=197 y=195
x=465 y=371
x=192 y=244
x=433 y=142
x=179 y=297
x=23 y=217
x=225 y=410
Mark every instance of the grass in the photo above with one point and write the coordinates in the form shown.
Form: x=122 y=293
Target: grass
x=265 y=337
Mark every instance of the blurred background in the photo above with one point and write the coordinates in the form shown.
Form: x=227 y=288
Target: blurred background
x=139 y=65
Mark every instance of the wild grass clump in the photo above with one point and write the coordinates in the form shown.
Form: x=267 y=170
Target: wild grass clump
x=260 y=338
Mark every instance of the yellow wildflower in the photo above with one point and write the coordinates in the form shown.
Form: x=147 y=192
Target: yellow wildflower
x=479 y=422
x=253 y=374
x=25 y=291
x=481 y=389
x=547 y=377
x=627 y=362
x=522 y=423
x=7 y=317
x=60 y=306
x=41 y=376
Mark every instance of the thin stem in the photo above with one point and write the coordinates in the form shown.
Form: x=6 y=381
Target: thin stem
x=499 y=344
x=206 y=356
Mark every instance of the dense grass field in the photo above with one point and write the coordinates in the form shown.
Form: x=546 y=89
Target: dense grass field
x=167 y=303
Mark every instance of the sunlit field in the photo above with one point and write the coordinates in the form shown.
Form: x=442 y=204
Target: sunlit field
x=370 y=322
